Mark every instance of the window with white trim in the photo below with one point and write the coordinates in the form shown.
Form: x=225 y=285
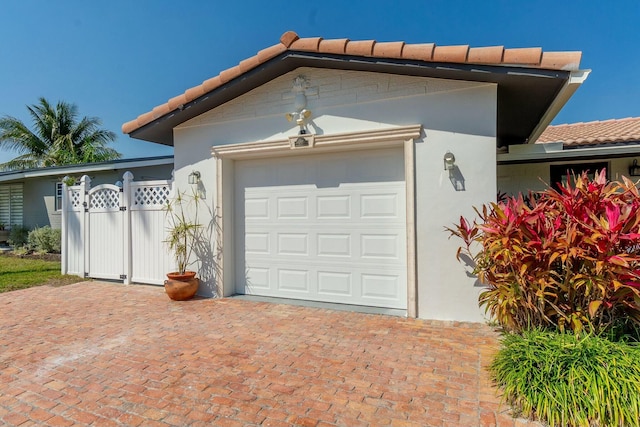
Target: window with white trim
x=59 y=188
x=560 y=173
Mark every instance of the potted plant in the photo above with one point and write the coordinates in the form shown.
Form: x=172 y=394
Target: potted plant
x=183 y=232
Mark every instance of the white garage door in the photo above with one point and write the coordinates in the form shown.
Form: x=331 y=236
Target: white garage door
x=327 y=227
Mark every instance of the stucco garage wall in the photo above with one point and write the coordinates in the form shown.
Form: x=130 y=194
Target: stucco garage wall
x=456 y=116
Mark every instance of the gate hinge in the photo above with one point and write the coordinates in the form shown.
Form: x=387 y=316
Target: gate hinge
x=123 y=208
x=123 y=276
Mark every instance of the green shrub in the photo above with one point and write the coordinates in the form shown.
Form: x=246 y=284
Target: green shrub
x=568 y=380
x=566 y=259
x=18 y=236
x=45 y=239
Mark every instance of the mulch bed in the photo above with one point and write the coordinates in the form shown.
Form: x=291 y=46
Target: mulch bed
x=45 y=257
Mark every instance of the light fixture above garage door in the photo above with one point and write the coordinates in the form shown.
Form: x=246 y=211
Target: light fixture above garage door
x=301 y=113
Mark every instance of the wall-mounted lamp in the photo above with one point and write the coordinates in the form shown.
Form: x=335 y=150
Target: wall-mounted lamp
x=634 y=169
x=449 y=161
x=301 y=113
x=194 y=178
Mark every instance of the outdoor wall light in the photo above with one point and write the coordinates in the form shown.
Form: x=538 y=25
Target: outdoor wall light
x=634 y=169
x=301 y=113
x=449 y=161
x=194 y=178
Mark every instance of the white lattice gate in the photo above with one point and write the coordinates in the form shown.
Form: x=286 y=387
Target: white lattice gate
x=116 y=232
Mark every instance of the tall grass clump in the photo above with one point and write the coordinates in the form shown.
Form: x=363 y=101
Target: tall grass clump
x=570 y=380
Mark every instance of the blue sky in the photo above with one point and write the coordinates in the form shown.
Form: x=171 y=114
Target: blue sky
x=117 y=59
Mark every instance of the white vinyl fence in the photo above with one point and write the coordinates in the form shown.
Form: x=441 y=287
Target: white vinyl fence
x=116 y=232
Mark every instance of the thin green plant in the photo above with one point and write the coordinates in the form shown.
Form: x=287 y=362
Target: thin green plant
x=564 y=379
x=183 y=229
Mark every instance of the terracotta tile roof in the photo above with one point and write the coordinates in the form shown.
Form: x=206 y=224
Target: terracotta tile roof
x=427 y=52
x=594 y=133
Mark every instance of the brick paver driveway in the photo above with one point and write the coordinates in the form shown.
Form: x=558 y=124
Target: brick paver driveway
x=107 y=354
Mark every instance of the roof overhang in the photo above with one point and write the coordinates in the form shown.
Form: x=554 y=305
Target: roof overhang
x=528 y=98
x=555 y=152
x=85 y=168
x=576 y=78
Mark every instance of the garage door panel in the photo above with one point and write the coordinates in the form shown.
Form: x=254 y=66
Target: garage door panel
x=257 y=278
x=368 y=285
x=352 y=246
x=334 y=245
x=380 y=286
x=333 y=207
x=256 y=208
x=292 y=280
x=334 y=284
x=378 y=206
x=257 y=243
x=293 y=244
x=379 y=246
x=340 y=239
x=292 y=207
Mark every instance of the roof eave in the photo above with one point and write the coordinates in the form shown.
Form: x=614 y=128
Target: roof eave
x=585 y=153
x=576 y=78
x=86 y=168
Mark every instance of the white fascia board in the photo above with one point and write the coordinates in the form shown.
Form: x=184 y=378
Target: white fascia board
x=631 y=150
x=86 y=168
x=576 y=78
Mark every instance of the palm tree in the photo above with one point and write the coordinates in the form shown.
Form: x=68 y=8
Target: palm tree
x=56 y=138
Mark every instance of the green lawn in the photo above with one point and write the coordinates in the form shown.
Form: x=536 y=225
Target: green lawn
x=21 y=273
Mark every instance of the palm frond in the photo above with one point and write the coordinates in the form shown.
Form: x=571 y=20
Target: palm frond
x=56 y=137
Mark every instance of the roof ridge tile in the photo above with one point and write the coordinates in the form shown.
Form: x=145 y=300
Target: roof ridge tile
x=360 y=47
x=454 y=53
x=288 y=38
x=388 y=50
x=309 y=44
x=523 y=55
x=333 y=46
x=419 y=52
x=486 y=55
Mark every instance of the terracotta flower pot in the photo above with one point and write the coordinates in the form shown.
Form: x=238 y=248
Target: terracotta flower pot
x=181 y=287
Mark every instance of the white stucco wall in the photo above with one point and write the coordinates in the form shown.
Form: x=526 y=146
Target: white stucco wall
x=520 y=178
x=456 y=116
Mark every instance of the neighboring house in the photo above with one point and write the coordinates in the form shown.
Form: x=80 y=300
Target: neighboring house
x=387 y=144
x=576 y=147
x=33 y=197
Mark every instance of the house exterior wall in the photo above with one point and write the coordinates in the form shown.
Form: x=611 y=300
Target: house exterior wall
x=39 y=206
x=520 y=178
x=456 y=116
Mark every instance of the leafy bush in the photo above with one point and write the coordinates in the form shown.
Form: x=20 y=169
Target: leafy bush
x=568 y=380
x=566 y=259
x=45 y=239
x=18 y=236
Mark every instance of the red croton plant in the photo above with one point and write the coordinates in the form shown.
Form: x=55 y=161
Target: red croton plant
x=567 y=258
